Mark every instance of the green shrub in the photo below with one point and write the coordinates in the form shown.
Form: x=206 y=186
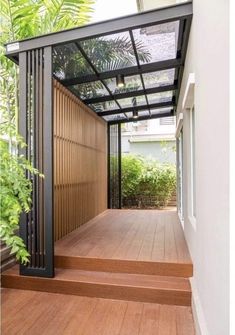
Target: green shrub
x=132 y=169
x=158 y=180
x=144 y=180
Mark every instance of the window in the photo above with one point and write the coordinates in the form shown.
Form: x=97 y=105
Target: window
x=180 y=174
x=192 y=163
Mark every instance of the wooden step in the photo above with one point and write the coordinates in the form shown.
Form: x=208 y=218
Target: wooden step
x=120 y=286
x=125 y=266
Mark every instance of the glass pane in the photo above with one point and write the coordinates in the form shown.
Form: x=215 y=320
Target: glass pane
x=160 y=97
x=129 y=114
x=90 y=90
x=132 y=83
x=110 y=52
x=159 y=78
x=157 y=43
x=132 y=102
x=104 y=106
x=143 y=113
x=68 y=62
x=114 y=117
x=161 y=110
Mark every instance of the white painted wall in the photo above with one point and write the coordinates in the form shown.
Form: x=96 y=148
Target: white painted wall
x=208 y=58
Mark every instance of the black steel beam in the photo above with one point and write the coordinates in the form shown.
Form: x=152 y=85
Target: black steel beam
x=137 y=108
x=138 y=64
x=185 y=38
x=142 y=118
x=129 y=71
x=157 y=16
x=132 y=94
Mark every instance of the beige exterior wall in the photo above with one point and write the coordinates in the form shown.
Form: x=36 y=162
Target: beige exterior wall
x=208 y=235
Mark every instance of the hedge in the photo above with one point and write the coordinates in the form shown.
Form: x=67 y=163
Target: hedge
x=146 y=182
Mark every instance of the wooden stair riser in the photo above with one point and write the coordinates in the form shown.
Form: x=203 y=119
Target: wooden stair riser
x=125 y=266
x=108 y=291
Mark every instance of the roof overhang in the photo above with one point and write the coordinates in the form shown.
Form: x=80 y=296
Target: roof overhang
x=150 y=53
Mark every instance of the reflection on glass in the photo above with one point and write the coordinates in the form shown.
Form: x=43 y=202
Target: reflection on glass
x=133 y=101
x=159 y=78
x=90 y=90
x=156 y=111
x=110 y=52
x=160 y=97
x=104 y=106
x=114 y=117
x=160 y=41
x=68 y=62
x=143 y=113
x=132 y=83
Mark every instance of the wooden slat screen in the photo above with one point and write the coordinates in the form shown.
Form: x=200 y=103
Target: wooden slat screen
x=80 y=163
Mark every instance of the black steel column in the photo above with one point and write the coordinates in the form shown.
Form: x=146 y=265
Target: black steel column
x=119 y=166
x=36 y=127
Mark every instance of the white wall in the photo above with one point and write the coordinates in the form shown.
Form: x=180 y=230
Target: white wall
x=208 y=57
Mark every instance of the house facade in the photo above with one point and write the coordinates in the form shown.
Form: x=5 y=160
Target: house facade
x=203 y=159
x=153 y=139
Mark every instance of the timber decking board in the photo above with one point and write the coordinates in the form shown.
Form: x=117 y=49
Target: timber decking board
x=142 y=235
x=39 y=313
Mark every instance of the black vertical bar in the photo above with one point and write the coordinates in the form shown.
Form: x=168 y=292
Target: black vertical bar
x=48 y=161
x=28 y=142
x=23 y=231
x=34 y=155
x=119 y=166
x=108 y=166
x=40 y=182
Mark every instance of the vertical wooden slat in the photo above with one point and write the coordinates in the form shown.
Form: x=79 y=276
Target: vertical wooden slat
x=80 y=164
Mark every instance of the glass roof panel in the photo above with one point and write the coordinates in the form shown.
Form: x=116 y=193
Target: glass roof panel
x=161 y=110
x=90 y=90
x=159 y=78
x=143 y=113
x=132 y=83
x=114 y=117
x=160 y=97
x=69 y=63
x=157 y=43
x=132 y=102
x=104 y=106
x=110 y=52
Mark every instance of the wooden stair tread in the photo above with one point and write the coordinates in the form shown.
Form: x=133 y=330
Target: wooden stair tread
x=120 y=286
x=118 y=279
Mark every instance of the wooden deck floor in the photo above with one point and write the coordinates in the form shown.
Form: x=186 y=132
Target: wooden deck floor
x=39 y=313
x=142 y=235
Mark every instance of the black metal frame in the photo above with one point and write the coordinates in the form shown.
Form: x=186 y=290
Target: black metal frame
x=180 y=12
x=114 y=177
x=36 y=127
x=162 y=15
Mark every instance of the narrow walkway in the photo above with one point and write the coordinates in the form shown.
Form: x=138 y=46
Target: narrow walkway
x=39 y=313
x=143 y=235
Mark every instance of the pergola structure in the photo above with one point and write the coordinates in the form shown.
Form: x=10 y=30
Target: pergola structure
x=125 y=69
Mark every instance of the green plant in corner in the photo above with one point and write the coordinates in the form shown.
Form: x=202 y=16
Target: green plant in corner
x=22 y=19
x=16 y=191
